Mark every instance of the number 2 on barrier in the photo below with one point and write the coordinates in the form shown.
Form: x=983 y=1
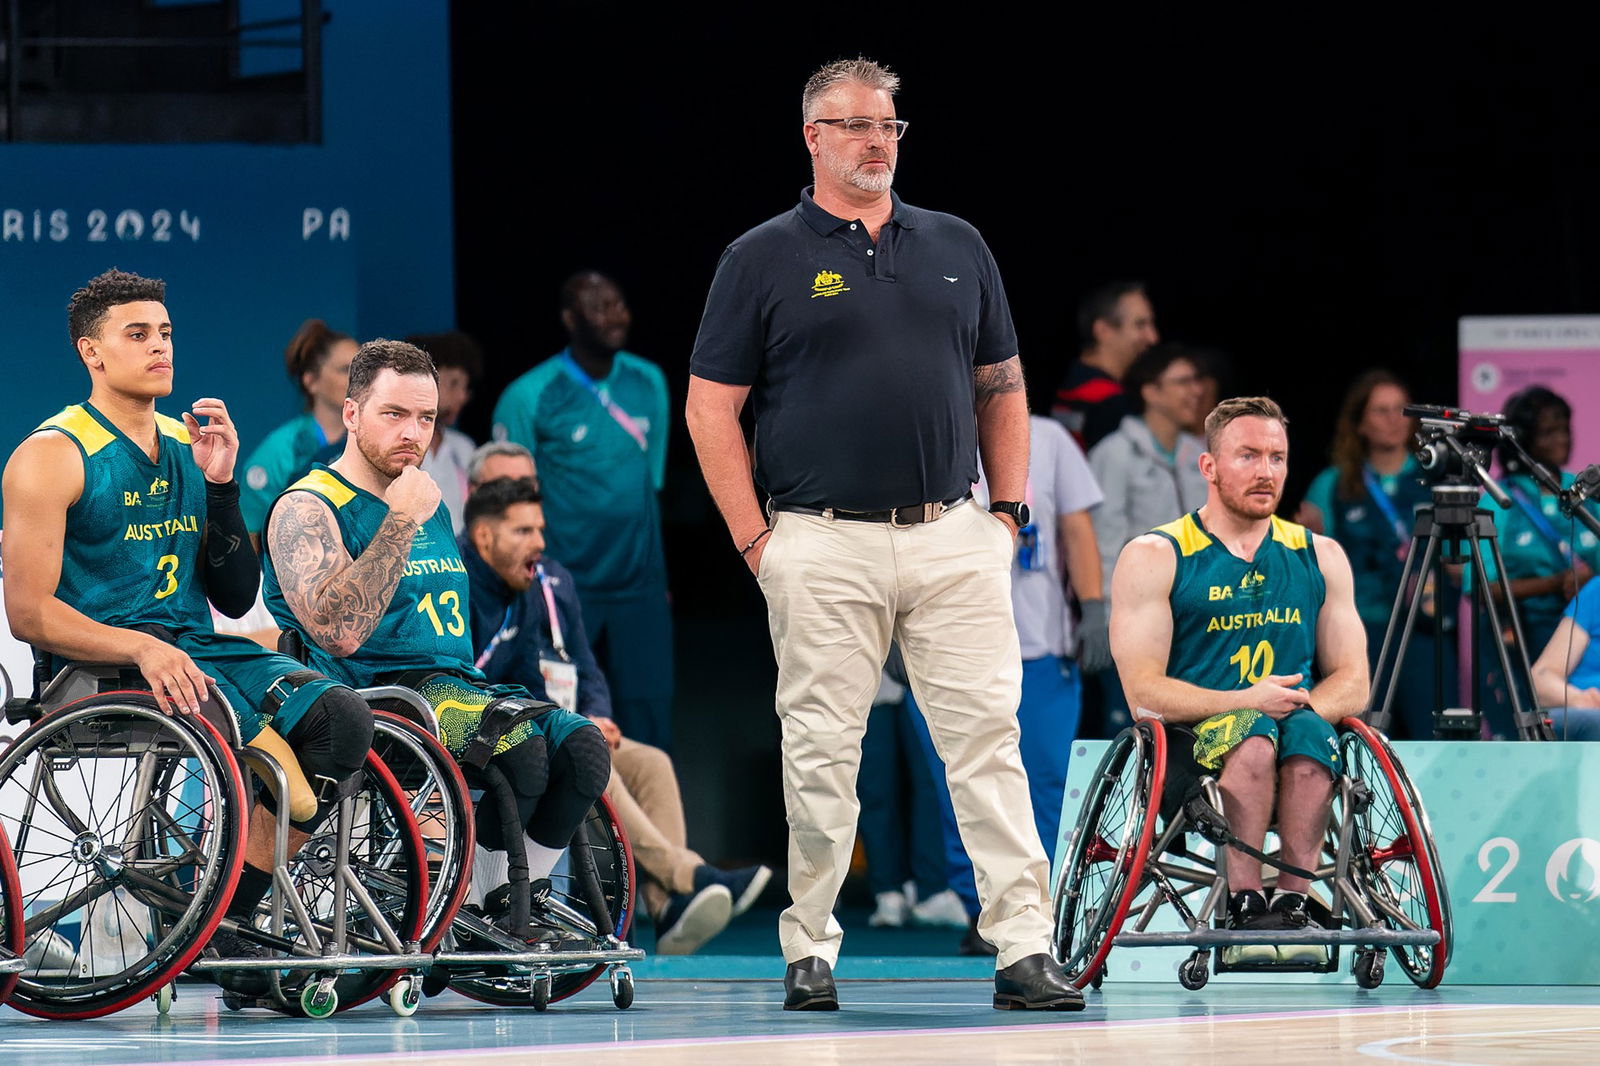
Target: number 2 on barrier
x=1253 y=665
x=1490 y=893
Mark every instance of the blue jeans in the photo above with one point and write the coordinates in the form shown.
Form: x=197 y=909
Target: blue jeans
x=1574 y=723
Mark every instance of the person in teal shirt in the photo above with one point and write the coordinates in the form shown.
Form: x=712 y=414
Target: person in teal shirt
x=1367 y=502
x=595 y=418
x=318 y=362
x=1548 y=556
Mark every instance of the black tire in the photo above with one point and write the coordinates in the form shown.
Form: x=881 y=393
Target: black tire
x=1396 y=860
x=149 y=864
x=388 y=858
x=1105 y=861
x=442 y=805
x=601 y=835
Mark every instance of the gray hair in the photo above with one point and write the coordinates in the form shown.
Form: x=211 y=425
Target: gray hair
x=495 y=447
x=861 y=70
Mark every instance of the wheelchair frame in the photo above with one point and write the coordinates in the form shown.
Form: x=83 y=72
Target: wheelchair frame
x=1376 y=874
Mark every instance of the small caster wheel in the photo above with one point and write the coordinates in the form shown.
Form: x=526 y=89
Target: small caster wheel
x=622 y=987
x=1099 y=977
x=1369 y=969
x=541 y=991
x=405 y=996
x=319 y=1002
x=1193 y=973
x=232 y=1002
x=164 y=997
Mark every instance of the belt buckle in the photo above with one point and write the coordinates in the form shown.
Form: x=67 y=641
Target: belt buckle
x=280 y=691
x=930 y=511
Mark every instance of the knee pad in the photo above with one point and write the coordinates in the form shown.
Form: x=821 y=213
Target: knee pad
x=582 y=763
x=331 y=742
x=525 y=768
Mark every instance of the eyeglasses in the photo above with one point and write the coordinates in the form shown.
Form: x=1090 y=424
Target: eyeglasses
x=892 y=128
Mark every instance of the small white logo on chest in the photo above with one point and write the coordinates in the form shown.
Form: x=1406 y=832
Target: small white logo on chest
x=948 y=278
x=579 y=433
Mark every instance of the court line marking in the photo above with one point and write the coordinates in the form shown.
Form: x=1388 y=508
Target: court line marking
x=833 y=1034
x=1379 y=1049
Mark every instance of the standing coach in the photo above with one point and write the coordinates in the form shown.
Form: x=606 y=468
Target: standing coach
x=880 y=350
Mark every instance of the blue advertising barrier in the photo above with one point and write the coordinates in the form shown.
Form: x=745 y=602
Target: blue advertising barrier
x=1517 y=826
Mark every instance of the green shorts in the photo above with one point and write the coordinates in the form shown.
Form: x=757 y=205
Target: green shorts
x=244 y=671
x=459 y=705
x=1300 y=732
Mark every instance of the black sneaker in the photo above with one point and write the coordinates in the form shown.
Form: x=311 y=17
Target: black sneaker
x=1290 y=907
x=745 y=884
x=252 y=984
x=1248 y=910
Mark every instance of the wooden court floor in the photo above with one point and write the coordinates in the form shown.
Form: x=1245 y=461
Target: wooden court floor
x=884 y=1023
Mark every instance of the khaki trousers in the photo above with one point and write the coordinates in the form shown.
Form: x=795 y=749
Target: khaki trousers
x=837 y=593
x=644 y=790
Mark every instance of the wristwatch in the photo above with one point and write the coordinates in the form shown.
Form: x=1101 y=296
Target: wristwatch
x=1017 y=510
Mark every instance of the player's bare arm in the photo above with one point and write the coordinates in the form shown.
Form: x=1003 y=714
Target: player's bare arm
x=1000 y=400
x=712 y=415
x=1556 y=663
x=338 y=599
x=43 y=479
x=1341 y=638
x=1141 y=642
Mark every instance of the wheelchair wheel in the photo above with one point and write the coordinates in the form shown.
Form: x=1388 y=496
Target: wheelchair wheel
x=127 y=830
x=442 y=804
x=388 y=859
x=13 y=927
x=1395 y=853
x=599 y=836
x=1104 y=866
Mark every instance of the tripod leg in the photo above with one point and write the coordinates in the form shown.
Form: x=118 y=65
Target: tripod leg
x=1530 y=724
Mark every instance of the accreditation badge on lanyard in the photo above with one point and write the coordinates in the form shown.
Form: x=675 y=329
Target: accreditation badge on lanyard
x=560 y=673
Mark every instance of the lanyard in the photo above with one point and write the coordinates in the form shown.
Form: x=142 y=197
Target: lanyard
x=505 y=633
x=1385 y=503
x=629 y=424
x=1542 y=524
x=555 y=620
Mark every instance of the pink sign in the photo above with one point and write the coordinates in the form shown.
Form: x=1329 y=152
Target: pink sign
x=1499 y=356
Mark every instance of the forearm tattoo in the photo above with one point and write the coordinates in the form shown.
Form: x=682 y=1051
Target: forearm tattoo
x=996 y=379
x=337 y=599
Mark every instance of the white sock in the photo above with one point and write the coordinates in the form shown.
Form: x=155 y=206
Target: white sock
x=541 y=860
x=490 y=870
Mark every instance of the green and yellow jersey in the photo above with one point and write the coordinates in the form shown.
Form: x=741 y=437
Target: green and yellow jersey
x=425 y=626
x=131 y=555
x=1235 y=622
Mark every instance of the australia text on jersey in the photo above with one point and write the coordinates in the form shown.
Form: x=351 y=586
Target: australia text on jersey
x=157 y=530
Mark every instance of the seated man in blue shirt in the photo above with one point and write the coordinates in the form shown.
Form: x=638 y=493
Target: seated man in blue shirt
x=1566 y=676
x=527 y=628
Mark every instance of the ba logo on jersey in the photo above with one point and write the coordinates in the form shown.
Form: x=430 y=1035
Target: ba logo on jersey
x=828 y=283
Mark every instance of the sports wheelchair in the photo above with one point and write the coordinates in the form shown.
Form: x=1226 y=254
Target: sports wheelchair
x=1378 y=885
x=127 y=824
x=591 y=893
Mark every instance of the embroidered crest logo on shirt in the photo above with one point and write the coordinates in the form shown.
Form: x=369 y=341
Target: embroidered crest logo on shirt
x=828 y=284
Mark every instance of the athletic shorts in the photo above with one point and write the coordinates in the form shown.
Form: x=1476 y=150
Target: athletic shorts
x=244 y=671
x=1301 y=732
x=459 y=705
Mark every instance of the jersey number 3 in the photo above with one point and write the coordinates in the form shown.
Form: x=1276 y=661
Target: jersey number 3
x=167 y=564
x=457 y=625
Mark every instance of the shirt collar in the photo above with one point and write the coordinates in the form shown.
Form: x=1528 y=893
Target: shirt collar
x=901 y=214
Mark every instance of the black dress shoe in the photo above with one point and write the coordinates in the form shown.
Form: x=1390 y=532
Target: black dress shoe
x=1035 y=983
x=808 y=985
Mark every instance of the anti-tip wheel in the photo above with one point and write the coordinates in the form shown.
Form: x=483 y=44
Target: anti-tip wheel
x=622 y=987
x=1369 y=969
x=164 y=997
x=317 y=1002
x=1193 y=973
x=541 y=991
x=405 y=996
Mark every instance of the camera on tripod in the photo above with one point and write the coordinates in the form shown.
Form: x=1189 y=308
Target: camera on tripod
x=1454 y=446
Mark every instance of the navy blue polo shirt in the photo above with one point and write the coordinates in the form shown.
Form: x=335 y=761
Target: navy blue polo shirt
x=859 y=356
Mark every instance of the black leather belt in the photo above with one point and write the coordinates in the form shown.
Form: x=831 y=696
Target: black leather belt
x=899 y=517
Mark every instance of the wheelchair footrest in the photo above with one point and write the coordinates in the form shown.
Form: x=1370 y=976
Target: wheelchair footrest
x=1207 y=938
x=539 y=959
x=318 y=963
x=10 y=963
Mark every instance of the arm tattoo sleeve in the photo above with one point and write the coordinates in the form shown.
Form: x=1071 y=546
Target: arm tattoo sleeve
x=338 y=600
x=996 y=379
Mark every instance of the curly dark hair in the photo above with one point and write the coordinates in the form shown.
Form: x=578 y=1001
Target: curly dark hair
x=1522 y=410
x=89 y=306
x=382 y=354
